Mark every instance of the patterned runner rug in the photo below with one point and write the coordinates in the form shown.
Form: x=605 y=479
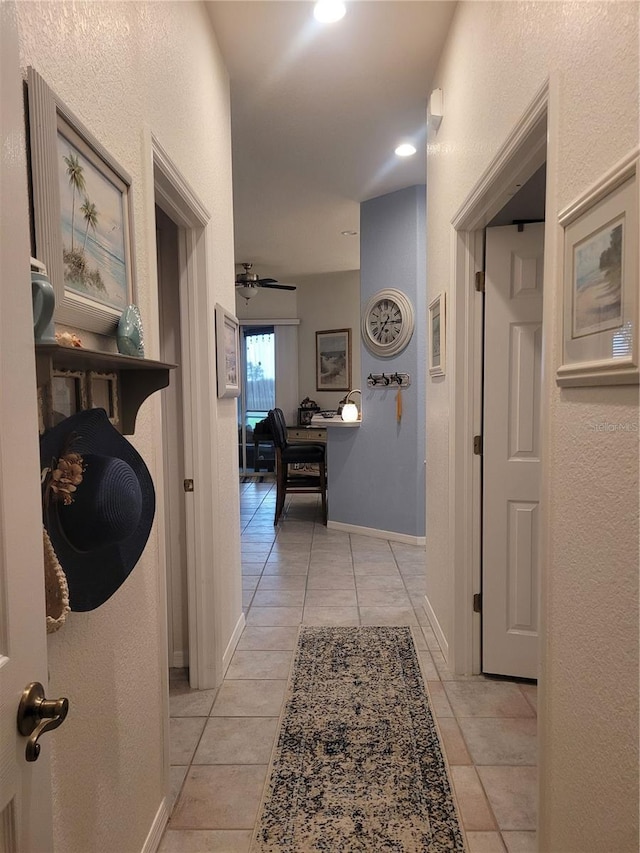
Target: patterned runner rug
x=358 y=764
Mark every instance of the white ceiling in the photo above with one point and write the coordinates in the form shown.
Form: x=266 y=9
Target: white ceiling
x=316 y=111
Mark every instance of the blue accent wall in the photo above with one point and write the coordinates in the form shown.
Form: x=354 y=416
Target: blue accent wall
x=376 y=471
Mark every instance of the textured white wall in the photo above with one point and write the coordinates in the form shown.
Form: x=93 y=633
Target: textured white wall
x=496 y=58
x=329 y=301
x=268 y=304
x=123 y=69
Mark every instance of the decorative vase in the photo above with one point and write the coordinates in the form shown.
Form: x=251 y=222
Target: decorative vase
x=129 y=336
x=44 y=303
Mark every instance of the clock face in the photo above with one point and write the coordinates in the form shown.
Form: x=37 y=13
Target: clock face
x=387 y=322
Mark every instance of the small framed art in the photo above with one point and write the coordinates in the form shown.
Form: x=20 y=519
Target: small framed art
x=227 y=353
x=68 y=394
x=600 y=282
x=437 y=331
x=103 y=394
x=333 y=360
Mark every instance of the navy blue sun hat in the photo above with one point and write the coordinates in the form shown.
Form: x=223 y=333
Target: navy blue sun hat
x=98 y=505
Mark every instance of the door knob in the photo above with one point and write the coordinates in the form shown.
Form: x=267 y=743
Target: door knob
x=37 y=715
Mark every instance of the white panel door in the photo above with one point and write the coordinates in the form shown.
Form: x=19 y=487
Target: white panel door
x=511 y=454
x=25 y=793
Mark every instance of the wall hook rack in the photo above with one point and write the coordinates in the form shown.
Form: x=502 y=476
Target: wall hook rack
x=388 y=380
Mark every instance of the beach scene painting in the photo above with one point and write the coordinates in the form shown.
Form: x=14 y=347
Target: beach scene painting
x=227 y=353
x=230 y=355
x=94 y=229
x=333 y=360
x=597 y=281
x=435 y=337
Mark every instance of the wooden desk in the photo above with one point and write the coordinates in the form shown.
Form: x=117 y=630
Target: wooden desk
x=316 y=435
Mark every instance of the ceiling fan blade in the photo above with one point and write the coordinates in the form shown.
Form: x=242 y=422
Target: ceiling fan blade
x=264 y=281
x=276 y=286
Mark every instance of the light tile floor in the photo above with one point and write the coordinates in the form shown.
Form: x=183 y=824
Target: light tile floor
x=302 y=572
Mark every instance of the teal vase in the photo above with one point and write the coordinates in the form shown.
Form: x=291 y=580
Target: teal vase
x=129 y=335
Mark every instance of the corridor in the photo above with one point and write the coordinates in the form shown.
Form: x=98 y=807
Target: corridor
x=304 y=573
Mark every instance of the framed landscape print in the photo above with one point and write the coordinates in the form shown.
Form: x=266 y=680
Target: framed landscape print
x=227 y=353
x=437 y=335
x=600 y=282
x=82 y=215
x=333 y=360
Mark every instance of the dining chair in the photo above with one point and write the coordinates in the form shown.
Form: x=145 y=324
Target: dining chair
x=289 y=480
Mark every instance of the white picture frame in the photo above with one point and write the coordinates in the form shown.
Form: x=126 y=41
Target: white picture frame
x=600 y=282
x=82 y=222
x=437 y=335
x=227 y=353
x=102 y=393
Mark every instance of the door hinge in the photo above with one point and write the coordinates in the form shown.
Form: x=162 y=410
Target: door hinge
x=477 y=445
x=480 y=281
x=477 y=602
x=188 y=485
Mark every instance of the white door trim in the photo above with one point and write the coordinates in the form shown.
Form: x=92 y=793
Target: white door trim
x=524 y=151
x=181 y=204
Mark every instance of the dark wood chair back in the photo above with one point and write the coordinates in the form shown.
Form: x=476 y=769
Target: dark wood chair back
x=309 y=458
x=278 y=426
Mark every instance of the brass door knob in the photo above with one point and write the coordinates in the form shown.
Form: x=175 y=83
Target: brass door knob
x=37 y=715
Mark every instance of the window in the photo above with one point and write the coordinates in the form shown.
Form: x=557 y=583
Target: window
x=259 y=392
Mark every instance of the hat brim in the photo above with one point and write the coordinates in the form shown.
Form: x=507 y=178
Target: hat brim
x=94 y=576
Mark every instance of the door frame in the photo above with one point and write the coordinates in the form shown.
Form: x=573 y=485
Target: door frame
x=171 y=192
x=523 y=152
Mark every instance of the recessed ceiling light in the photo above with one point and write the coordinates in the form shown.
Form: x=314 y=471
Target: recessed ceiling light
x=349 y=233
x=328 y=11
x=405 y=150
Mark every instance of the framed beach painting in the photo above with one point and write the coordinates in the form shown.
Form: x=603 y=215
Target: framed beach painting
x=600 y=282
x=437 y=335
x=82 y=215
x=227 y=353
x=333 y=360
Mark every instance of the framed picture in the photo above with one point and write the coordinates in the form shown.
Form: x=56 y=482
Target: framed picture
x=333 y=360
x=67 y=394
x=437 y=335
x=81 y=215
x=600 y=282
x=227 y=353
x=103 y=394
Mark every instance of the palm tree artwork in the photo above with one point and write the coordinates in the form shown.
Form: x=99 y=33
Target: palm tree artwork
x=77 y=270
x=90 y=214
x=93 y=225
x=75 y=173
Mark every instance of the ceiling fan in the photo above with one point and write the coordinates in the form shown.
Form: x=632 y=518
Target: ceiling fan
x=248 y=283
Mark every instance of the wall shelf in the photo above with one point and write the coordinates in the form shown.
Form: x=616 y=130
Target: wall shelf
x=73 y=378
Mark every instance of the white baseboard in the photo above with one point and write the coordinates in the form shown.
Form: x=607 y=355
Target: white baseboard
x=374 y=533
x=233 y=642
x=437 y=629
x=180 y=660
x=154 y=836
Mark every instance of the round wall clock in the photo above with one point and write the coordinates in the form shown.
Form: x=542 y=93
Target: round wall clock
x=387 y=322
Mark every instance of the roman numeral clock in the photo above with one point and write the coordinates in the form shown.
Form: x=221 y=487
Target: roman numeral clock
x=387 y=323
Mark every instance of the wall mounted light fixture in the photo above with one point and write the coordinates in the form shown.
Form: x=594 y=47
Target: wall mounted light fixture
x=436 y=111
x=329 y=11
